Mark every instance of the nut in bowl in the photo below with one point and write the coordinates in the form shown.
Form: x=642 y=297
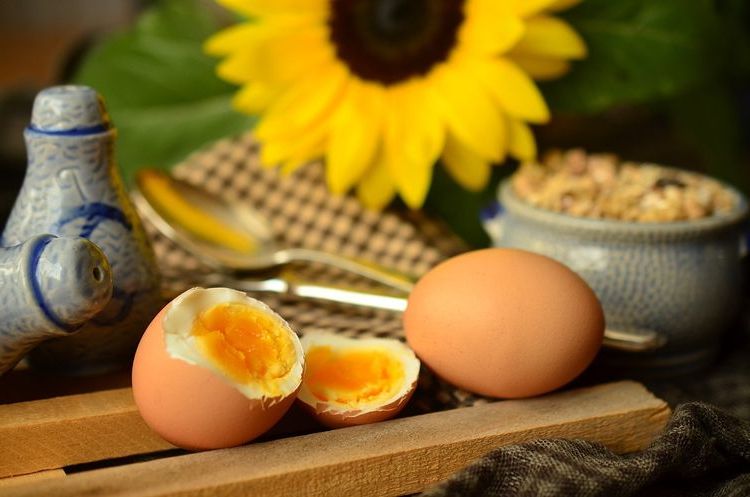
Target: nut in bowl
x=661 y=248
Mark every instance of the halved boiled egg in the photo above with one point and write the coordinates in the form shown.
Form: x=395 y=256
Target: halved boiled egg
x=351 y=381
x=216 y=368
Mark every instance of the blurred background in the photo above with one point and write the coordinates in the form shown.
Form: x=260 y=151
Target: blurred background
x=41 y=41
x=666 y=81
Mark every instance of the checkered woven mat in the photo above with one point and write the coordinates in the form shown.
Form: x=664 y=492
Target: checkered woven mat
x=302 y=213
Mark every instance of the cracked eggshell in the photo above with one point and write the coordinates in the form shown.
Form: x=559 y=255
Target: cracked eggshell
x=189 y=404
x=336 y=415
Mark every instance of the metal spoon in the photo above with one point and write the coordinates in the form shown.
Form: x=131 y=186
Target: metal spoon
x=242 y=241
x=232 y=236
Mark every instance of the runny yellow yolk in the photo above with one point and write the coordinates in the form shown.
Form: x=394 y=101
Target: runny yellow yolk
x=352 y=377
x=247 y=345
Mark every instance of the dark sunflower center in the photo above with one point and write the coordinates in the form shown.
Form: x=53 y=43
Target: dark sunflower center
x=391 y=40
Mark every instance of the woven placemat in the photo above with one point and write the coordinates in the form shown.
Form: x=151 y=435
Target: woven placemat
x=302 y=213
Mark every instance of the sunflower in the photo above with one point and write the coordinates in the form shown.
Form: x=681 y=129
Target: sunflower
x=383 y=89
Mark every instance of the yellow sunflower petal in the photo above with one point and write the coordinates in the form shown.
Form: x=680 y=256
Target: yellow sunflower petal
x=253 y=8
x=302 y=157
x=238 y=68
x=282 y=60
x=275 y=56
x=245 y=36
x=306 y=145
x=512 y=88
x=467 y=168
x=304 y=103
x=522 y=144
x=541 y=68
x=253 y=98
x=303 y=147
x=490 y=27
x=355 y=130
x=376 y=189
x=307 y=148
x=228 y=40
x=469 y=111
x=551 y=37
x=414 y=138
x=274 y=152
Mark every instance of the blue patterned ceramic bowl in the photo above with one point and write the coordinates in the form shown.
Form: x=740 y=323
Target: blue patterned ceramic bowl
x=679 y=279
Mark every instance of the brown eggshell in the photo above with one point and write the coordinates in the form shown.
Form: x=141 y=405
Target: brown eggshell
x=191 y=407
x=504 y=322
x=341 y=419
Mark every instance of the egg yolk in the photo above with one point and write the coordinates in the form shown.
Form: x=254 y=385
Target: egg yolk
x=352 y=377
x=247 y=345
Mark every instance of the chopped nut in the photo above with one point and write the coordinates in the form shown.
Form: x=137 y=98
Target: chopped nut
x=599 y=186
x=693 y=209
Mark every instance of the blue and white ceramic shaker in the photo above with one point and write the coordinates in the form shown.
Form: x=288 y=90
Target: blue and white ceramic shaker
x=73 y=188
x=49 y=287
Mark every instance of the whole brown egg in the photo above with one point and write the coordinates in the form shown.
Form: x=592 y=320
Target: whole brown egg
x=504 y=322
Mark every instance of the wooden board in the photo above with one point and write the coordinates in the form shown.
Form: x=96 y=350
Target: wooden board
x=61 y=431
x=395 y=457
x=31 y=477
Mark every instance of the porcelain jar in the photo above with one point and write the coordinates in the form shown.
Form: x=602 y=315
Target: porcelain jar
x=73 y=188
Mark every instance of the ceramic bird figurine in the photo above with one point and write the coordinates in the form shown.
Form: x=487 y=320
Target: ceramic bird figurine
x=49 y=287
x=73 y=188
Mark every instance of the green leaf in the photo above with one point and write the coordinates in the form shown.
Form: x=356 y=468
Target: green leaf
x=708 y=122
x=460 y=209
x=160 y=87
x=161 y=136
x=735 y=16
x=639 y=50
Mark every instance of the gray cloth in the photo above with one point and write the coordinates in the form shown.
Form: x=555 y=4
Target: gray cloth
x=726 y=384
x=703 y=451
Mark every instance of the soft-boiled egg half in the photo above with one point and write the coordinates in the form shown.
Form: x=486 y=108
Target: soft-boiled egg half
x=351 y=381
x=216 y=368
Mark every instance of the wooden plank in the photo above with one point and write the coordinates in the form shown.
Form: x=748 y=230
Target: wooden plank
x=31 y=478
x=57 y=432
x=23 y=384
x=395 y=457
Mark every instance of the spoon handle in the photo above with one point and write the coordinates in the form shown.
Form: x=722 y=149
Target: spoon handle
x=392 y=279
x=643 y=341
x=305 y=290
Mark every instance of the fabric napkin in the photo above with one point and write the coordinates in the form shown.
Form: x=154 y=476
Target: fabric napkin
x=704 y=451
